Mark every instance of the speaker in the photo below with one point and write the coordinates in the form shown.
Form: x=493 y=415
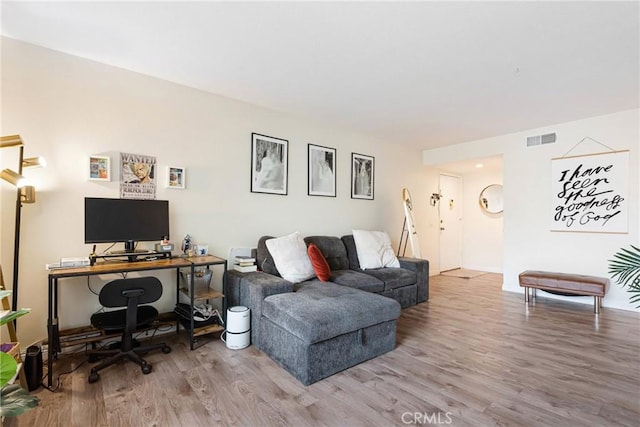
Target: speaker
x=33 y=367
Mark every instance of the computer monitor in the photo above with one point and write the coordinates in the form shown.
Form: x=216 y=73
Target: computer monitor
x=125 y=220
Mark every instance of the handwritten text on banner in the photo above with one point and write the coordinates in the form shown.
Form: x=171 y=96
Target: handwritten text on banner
x=589 y=193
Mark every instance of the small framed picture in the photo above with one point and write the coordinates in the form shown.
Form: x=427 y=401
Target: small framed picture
x=269 y=164
x=176 y=177
x=321 y=179
x=99 y=168
x=362 y=176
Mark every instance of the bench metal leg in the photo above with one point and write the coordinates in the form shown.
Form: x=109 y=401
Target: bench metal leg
x=529 y=294
x=597 y=304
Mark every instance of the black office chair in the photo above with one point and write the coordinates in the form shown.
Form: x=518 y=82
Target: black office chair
x=130 y=293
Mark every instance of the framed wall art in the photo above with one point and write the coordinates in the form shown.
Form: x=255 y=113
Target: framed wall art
x=176 y=177
x=321 y=180
x=269 y=164
x=362 y=176
x=99 y=168
x=137 y=176
x=590 y=193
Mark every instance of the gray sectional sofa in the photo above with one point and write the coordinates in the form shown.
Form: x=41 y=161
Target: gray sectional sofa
x=315 y=329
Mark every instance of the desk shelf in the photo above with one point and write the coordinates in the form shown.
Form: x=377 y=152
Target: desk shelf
x=90 y=334
x=203 y=295
x=210 y=329
x=206 y=294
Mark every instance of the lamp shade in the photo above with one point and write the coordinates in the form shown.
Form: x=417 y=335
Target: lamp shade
x=34 y=162
x=10 y=141
x=13 y=178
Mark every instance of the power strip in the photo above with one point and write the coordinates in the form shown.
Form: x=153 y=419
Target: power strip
x=75 y=262
x=68 y=263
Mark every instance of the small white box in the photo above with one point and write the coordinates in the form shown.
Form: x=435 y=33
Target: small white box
x=164 y=247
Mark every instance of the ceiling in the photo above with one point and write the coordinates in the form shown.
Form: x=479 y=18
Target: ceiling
x=423 y=74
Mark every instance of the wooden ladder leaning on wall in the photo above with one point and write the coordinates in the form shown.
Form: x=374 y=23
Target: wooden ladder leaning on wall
x=12 y=335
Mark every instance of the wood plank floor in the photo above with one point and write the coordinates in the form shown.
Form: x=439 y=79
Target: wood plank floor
x=471 y=356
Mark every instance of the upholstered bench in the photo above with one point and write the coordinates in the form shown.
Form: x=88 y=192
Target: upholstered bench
x=565 y=284
x=324 y=328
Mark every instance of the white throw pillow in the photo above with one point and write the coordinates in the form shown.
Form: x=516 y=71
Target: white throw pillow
x=291 y=258
x=374 y=249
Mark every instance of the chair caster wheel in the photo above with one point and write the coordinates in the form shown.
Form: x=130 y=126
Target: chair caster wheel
x=146 y=369
x=93 y=377
x=166 y=349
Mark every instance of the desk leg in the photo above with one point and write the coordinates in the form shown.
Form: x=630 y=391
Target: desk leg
x=191 y=296
x=224 y=295
x=53 y=336
x=177 y=299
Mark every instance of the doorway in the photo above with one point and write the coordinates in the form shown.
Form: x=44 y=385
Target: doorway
x=450 y=215
x=476 y=243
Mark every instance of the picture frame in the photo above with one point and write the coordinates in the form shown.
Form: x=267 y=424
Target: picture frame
x=269 y=164
x=321 y=176
x=138 y=176
x=99 y=168
x=362 y=176
x=176 y=177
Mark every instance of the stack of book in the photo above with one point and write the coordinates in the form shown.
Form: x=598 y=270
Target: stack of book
x=244 y=263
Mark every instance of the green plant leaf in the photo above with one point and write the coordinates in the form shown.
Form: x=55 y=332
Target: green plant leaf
x=625 y=270
x=14 y=315
x=14 y=400
x=8 y=368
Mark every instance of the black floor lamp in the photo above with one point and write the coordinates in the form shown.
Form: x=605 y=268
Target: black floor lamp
x=24 y=194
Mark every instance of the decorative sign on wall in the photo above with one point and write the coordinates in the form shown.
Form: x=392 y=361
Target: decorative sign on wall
x=589 y=193
x=138 y=176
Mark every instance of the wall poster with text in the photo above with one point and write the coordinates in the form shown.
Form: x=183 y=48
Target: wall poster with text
x=589 y=193
x=137 y=176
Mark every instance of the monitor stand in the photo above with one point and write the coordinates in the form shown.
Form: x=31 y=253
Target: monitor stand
x=137 y=255
x=130 y=252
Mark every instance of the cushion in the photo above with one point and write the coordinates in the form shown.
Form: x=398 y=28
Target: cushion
x=357 y=280
x=264 y=258
x=319 y=263
x=374 y=249
x=352 y=252
x=290 y=257
x=320 y=311
x=333 y=250
x=393 y=278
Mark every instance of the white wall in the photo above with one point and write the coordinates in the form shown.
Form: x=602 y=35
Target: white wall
x=482 y=232
x=67 y=108
x=528 y=241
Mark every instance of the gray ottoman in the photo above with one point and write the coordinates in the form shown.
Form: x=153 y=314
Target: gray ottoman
x=324 y=328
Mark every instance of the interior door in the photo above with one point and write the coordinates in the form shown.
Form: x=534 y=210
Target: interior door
x=450 y=211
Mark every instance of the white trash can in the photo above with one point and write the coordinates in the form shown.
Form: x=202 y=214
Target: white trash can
x=238 y=332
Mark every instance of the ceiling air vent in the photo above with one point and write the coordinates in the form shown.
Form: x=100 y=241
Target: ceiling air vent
x=533 y=140
x=547 y=138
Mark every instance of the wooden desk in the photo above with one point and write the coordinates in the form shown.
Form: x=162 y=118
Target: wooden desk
x=107 y=267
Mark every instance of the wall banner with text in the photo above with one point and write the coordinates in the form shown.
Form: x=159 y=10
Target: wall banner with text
x=589 y=193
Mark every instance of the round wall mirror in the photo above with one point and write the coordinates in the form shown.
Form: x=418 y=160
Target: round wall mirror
x=491 y=199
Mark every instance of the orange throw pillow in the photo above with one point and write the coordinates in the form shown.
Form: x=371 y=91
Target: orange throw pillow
x=319 y=263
